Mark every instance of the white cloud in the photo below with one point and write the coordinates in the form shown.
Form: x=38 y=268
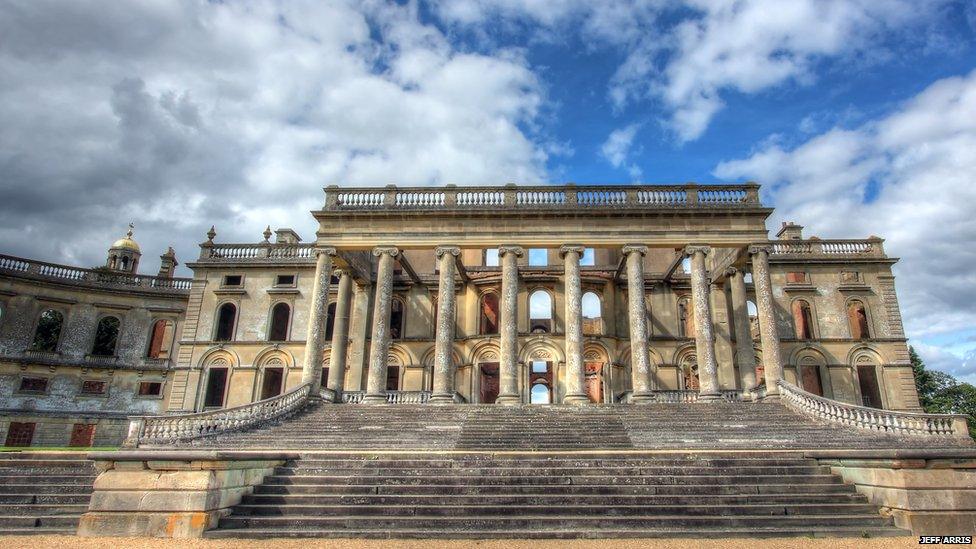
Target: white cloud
x=907 y=177
x=177 y=115
x=688 y=54
x=617 y=148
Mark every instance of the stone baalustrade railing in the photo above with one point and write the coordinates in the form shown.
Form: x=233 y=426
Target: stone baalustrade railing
x=542 y=197
x=169 y=429
x=41 y=270
x=871 y=247
x=873 y=419
x=392 y=397
x=264 y=252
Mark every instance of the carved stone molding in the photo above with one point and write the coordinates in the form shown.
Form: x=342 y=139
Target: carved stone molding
x=441 y=250
x=566 y=248
x=392 y=251
x=757 y=248
x=631 y=248
x=695 y=248
x=508 y=248
x=325 y=251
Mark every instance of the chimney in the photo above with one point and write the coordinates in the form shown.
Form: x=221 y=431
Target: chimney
x=287 y=236
x=168 y=263
x=790 y=231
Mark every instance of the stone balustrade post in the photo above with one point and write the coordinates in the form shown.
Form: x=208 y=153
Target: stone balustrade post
x=340 y=333
x=444 y=367
x=575 y=393
x=708 y=387
x=745 y=356
x=315 y=338
x=640 y=362
x=768 y=336
x=508 y=362
x=379 y=348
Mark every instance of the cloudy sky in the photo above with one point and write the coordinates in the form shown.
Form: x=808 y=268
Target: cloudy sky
x=858 y=116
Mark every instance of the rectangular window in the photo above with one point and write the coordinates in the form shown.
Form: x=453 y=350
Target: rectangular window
x=285 y=280
x=491 y=257
x=796 y=278
x=540 y=367
x=589 y=257
x=82 y=435
x=33 y=384
x=93 y=387
x=538 y=257
x=233 y=280
x=150 y=388
x=20 y=434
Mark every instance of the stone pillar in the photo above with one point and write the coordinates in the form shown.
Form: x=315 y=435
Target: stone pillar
x=640 y=362
x=573 y=295
x=379 y=348
x=768 y=337
x=508 y=362
x=357 y=353
x=745 y=358
x=444 y=373
x=340 y=333
x=315 y=338
x=708 y=388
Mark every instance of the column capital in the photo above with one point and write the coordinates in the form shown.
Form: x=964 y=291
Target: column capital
x=566 y=248
x=340 y=271
x=631 y=248
x=734 y=271
x=392 y=251
x=328 y=250
x=511 y=248
x=441 y=250
x=758 y=248
x=695 y=248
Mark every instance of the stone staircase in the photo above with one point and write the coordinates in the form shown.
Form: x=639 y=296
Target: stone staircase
x=715 y=426
x=477 y=495
x=43 y=492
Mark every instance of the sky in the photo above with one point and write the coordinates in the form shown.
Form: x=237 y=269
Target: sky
x=858 y=117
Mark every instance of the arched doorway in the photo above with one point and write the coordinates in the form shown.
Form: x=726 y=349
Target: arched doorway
x=540 y=381
x=866 y=365
x=488 y=371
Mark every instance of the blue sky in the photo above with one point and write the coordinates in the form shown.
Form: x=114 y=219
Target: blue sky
x=857 y=116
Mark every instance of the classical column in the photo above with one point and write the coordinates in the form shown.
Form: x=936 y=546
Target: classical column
x=508 y=362
x=575 y=393
x=315 y=337
x=745 y=358
x=768 y=338
x=444 y=375
x=340 y=333
x=640 y=363
x=379 y=348
x=708 y=388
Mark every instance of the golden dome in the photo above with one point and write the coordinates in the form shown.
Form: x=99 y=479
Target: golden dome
x=126 y=242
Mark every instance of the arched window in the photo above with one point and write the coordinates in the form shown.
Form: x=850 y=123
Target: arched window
x=686 y=318
x=489 y=314
x=48 y=331
x=802 y=319
x=160 y=339
x=125 y=263
x=540 y=312
x=106 y=336
x=592 y=315
x=330 y=321
x=540 y=394
x=226 y=318
x=280 y=315
x=396 y=319
x=857 y=316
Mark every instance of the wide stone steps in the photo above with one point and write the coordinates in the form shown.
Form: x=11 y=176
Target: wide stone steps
x=682 y=426
x=552 y=495
x=43 y=492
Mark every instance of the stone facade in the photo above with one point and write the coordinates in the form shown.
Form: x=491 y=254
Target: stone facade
x=513 y=264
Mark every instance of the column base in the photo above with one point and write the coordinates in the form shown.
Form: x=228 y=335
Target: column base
x=375 y=399
x=441 y=398
x=771 y=397
x=508 y=400
x=642 y=398
x=578 y=399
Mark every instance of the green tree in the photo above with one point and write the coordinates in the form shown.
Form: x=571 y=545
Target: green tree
x=940 y=393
